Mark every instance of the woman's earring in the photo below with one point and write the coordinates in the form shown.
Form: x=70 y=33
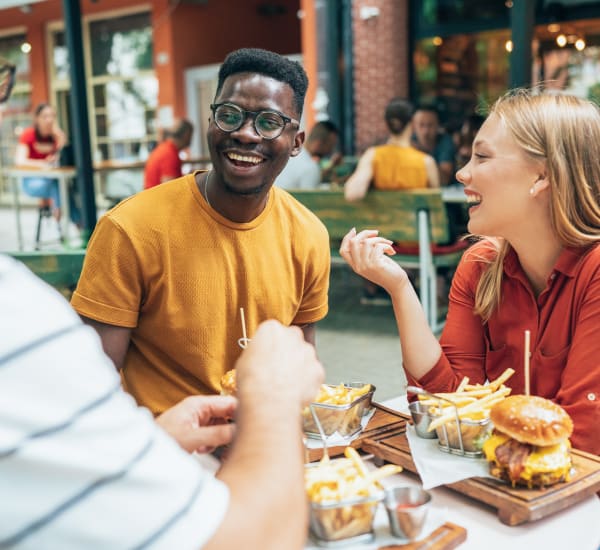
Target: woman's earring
x=532 y=190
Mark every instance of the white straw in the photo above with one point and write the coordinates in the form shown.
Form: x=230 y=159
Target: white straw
x=243 y=325
x=526 y=361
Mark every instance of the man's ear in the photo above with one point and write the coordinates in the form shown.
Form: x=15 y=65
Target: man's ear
x=298 y=141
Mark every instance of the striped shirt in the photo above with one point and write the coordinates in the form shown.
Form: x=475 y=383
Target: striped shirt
x=80 y=465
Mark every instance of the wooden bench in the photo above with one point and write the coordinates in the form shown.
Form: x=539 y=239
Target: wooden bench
x=59 y=268
x=416 y=220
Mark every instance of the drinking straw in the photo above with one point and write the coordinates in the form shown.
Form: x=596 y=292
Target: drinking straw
x=245 y=338
x=526 y=361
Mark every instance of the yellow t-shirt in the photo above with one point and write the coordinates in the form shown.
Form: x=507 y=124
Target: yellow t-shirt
x=396 y=167
x=168 y=266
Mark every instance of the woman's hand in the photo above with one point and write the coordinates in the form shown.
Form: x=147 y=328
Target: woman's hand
x=367 y=254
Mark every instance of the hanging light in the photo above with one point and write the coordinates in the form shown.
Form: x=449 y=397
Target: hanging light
x=26 y=47
x=437 y=40
x=508 y=46
x=561 y=40
x=580 y=44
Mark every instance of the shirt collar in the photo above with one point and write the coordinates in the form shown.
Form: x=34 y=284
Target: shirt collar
x=565 y=264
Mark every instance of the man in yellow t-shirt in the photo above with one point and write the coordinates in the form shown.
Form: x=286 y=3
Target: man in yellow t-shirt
x=168 y=270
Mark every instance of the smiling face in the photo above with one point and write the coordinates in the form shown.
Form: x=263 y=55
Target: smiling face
x=498 y=179
x=245 y=163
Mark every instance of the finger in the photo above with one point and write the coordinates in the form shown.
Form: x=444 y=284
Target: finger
x=220 y=406
x=345 y=246
x=365 y=233
x=210 y=436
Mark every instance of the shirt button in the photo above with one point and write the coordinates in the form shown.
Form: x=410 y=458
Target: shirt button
x=552 y=275
x=591 y=396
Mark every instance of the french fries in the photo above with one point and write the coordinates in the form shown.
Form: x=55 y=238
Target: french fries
x=470 y=401
x=344 y=494
x=336 y=411
x=340 y=394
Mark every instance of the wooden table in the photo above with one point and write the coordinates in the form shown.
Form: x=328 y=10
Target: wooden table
x=574 y=527
x=63 y=174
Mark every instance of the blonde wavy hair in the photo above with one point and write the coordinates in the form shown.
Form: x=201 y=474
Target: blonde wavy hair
x=564 y=132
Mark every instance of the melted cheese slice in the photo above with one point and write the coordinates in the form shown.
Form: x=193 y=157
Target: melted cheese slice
x=554 y=458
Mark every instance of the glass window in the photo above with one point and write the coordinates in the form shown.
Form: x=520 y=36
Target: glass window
x=567 y=57
x=124 y=88
x=121 y=46
x=437 y=12
x=460 y=73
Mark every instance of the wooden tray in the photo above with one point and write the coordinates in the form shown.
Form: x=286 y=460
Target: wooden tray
x=515 y=506
x=383 y=421
x=445 y=537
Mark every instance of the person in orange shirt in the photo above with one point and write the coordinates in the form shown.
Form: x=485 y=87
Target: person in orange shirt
x=533 y=182
x=164 y=163
x=396 y=165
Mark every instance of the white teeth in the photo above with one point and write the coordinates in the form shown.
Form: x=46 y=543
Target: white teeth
x=244 y=158
x=473 y=198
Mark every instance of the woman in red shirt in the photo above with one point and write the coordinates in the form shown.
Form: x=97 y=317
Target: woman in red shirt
x=40 y=146
x=533 y=182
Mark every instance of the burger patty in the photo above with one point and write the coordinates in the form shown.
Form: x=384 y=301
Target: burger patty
x=513 y=455
x=540 y=479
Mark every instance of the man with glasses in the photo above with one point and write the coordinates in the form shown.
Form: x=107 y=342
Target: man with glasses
x=177 y=275
x=82 y=467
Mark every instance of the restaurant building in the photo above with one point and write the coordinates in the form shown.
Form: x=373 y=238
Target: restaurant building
x=148 y=62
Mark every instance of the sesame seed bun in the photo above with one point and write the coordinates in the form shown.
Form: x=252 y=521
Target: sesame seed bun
x=532 y=419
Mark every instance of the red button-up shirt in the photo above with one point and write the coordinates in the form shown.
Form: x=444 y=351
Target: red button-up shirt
x=564 y=321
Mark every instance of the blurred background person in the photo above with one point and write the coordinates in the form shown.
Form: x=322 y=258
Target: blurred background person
x=164 y=162
x=304 y=171
x=429 y=137
x=39 y=146
x=397 y=165
x=464 y=138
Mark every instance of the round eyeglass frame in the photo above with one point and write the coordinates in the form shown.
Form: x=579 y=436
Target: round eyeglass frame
x=254 y=114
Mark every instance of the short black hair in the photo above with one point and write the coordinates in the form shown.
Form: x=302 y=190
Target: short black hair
x=429 y=108
x=271 y=64
x=322 y=129
x=179 y=129
x=398 y=114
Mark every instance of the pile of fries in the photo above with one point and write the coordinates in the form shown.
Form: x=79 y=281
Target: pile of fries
x=339 y=409
x=344 y=495
x=340 y=394
x=469 y=401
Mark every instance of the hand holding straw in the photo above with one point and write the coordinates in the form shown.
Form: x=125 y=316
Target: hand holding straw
x=526 y=361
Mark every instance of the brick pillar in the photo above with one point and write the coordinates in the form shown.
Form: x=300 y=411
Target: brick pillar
x=380 y=66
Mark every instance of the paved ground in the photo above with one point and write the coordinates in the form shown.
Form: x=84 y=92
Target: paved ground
x=354 y=342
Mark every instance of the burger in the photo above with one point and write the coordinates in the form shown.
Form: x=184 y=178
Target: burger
x=228 y=383
x=530 y=442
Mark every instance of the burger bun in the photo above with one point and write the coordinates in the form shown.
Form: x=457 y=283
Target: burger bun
x=532 y=419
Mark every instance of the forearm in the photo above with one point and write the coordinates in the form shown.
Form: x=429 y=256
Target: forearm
x=264 y=472
x=420 y=348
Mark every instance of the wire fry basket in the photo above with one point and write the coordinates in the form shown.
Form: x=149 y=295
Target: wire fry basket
x=459 y=436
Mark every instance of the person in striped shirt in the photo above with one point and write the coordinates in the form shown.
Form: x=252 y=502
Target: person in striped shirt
x=81 y=466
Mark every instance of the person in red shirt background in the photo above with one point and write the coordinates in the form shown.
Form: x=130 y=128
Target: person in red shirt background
x=533 y=183
x=39 y=146
x=164 y=163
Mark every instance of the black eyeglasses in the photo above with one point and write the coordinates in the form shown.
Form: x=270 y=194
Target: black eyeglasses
x=7 y=80
x=267 y=124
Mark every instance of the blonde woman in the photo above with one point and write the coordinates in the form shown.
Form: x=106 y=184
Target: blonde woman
x=533 y=182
